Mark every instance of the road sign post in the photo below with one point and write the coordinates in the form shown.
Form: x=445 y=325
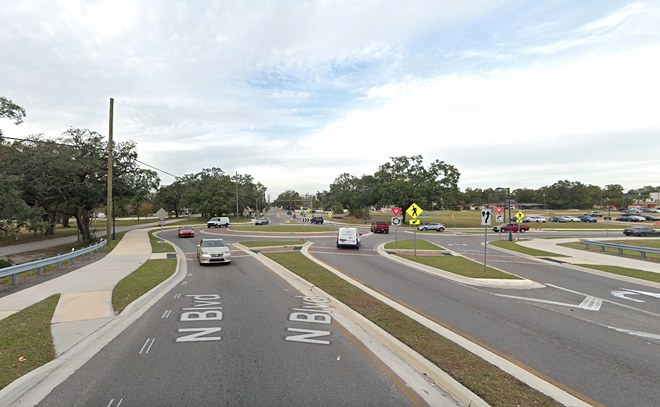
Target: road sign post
x=396 y=221
x=486 y=221
x=414 y=211
x=161 y=216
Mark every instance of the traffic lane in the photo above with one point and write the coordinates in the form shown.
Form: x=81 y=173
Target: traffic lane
x=230 y=335
x=611 y=367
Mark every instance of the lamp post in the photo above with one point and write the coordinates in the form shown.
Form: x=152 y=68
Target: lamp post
x=508 y=194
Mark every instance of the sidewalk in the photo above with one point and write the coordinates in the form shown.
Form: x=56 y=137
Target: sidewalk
x=85 y=304
x=28 y=247
x=588 y=257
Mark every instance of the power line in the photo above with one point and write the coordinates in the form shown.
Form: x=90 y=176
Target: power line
x=69 y=145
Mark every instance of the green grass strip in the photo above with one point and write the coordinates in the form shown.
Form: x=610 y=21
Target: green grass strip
x=155 y=244
x=515 y=247
x=624 y=271
x=133 y=286
x=631 y=254
x=410 y=245
x=293 y=228
x=26 y=334
x=490 y=383
x=265 y=243
x=459 y=265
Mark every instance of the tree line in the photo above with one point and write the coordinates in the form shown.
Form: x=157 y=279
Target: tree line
x=44 y=182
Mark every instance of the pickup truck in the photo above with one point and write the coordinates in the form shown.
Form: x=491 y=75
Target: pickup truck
x=593 y=213
x=379 y=226
x=515 y=227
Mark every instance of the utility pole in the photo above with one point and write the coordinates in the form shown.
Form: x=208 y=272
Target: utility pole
x=236 y=196
x=110 y=212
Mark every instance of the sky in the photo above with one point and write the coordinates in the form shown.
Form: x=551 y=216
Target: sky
x=517 y=94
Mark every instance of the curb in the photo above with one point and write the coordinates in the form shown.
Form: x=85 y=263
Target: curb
x=375 y=335
x=523 y=283
x=34 y=386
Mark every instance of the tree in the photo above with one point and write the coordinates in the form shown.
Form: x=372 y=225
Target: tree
x=10 y=110
x=288 y=199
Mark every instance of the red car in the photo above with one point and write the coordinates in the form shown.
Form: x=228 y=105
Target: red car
x=515 y=227
x=186 y=231
x=380 y=226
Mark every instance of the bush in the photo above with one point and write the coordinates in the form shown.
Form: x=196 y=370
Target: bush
x=5 y=263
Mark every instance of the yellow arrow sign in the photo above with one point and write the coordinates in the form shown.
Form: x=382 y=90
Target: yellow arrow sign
x=414 y=211
x=415 y=221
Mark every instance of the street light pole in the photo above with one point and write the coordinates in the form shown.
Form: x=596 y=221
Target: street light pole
x=508 y=193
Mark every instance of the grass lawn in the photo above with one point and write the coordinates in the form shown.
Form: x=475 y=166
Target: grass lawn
x=133 y=286
x=410 y=245
x=493 y=385
x=264 y=243
x=26 y=334
x=623 y=271
x=459 y=265
x=651 y=243
x=289 y=229
x=513 y=246
x=155 y=244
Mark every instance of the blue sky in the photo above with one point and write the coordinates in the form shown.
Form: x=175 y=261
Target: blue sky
x=512 y=93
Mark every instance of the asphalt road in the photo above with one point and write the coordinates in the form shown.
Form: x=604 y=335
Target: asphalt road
x=575 y=331
x=230 y=335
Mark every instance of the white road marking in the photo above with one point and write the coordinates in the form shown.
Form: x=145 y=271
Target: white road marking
x=118 y=404
x=184 y=283
x=636 y=333
x=177 y=296
x=166 y=314
x=589 y=303
x=189 y=274
x=622 y=294
x=147 y=345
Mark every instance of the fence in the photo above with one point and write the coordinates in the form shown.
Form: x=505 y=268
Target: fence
x=14 y=271
x=620 y=247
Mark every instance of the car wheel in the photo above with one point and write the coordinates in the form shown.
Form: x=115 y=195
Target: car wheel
x=387 y=231
x=424 y=229
x=522 y=230
x=642 y=234
x=441 y=229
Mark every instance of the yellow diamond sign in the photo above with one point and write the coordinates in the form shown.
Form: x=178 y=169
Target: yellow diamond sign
x=520 y=216
x=414 y=211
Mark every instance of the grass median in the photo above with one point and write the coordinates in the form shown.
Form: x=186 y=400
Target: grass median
x=26 y=342
x=139 y=282
x=490 y=383
x=515 y=247
x=624 y=271
x=459 y=265
x=263 y=243
x=156 y=245
x=286 y=229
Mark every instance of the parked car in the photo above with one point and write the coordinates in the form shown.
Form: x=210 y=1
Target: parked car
x=558 y=219
x=640 y=231
x=627 y=219
x=288 y=212
x=218 y=222
x=213 y=251
x=262 y=221
x=349 y=237
x=317 y=219
x=438 y=227
x=587 y=219
x=514 y=227
x=651 y=218
x=380 y=226
x=535 y=219
x=571 y=219
x=593 y=213
x=186 y=231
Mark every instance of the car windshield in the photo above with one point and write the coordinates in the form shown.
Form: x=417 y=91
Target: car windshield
x=185 y=228
x=213 y=243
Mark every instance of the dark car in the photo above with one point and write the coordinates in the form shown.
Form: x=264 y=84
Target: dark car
x=557 y=219
x=640 y=231
x=317 y=219
x=627 y=219
x=380 y=226
x=587 y=219
x=649 y=217
x=288 y=212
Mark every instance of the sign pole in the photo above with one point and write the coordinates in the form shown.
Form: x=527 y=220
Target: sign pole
x=415 y=239
x=485 y=246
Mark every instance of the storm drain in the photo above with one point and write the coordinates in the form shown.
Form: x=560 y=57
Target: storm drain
x=555 y=260
x=171 y=255
x=297 y=248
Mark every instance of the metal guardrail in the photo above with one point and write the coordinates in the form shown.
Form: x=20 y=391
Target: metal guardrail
x=14 y=271
x=620 y=247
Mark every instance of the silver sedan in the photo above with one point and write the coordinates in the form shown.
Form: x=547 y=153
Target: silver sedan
x=213 y=251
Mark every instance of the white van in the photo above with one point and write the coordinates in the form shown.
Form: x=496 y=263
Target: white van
x=218 y=222
x=349 y=237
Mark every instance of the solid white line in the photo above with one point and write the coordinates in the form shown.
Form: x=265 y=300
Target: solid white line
x=150 y=345
x=537 y=300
